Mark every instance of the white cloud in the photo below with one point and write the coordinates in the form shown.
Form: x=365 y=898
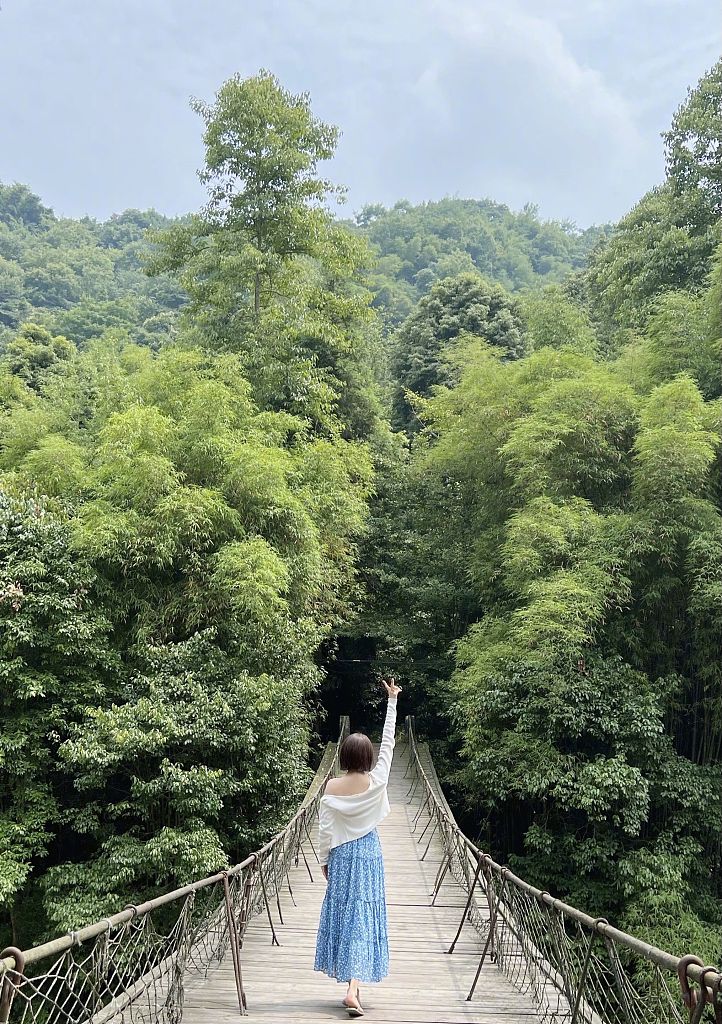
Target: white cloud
x=504 y=29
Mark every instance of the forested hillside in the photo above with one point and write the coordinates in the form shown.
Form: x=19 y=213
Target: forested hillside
x=548 y=559
x=80 y=278
x=416 y=246
x=466 y=444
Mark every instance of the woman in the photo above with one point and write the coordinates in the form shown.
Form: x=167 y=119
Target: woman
x=352 y=943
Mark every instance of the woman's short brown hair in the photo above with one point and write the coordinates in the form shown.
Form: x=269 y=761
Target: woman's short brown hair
x=356 y=754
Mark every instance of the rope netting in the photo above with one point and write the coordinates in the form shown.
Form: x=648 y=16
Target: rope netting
x=135 y=966
x=573 y=967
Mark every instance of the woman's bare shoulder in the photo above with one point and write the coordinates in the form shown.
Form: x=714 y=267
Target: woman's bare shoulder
x=345 y=786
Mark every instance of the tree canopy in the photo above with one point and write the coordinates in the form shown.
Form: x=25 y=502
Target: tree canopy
x=546 y=559
x=416 y=246
x=182 y=511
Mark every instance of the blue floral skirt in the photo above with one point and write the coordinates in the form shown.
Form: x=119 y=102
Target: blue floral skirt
x=352 y=939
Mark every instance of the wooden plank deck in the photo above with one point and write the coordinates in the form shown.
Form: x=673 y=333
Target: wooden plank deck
x=425 y=985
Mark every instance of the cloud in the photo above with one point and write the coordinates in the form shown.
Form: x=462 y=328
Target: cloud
x=503 y=29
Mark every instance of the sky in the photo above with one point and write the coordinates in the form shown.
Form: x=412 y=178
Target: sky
x=555 y=102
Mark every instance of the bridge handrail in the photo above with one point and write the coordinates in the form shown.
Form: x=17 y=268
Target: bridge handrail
x=695 y=979
x=243 y=891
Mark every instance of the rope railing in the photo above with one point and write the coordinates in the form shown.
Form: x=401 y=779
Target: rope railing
x=573 y=967
x=134 y=966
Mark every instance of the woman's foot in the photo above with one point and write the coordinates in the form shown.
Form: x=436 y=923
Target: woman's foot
x=352 y=1003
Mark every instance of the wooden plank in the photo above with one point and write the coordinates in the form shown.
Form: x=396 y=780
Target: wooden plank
x=425 y=985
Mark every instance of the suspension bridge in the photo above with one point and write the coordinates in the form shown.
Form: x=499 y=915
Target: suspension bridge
x=469 y=940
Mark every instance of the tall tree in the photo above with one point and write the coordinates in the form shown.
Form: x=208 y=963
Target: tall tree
x=422 y=346
x=667 y=240
x=263 y=145
x=268 y=272
x=694 y=146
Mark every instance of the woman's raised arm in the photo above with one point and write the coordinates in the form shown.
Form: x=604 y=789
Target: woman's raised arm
x=382 y=768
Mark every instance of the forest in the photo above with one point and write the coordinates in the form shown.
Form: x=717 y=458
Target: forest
x=255 y=454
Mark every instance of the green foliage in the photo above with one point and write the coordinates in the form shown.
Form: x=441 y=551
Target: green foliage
x=693 y=146
x=714 y=297
x=214 y=474
x=35 y=352
x=576 y=439
x=465 y=305
x=139 y=318
x=417 y=246
x=653 y=250
x=584 y=746
x=674 y=452
x=553 y=320
x=262 y=148
x=667 y=241
x=270 y=275
x=54 y=660
x=190 y=516
x=222 y=538
x=19 y=206
x=183 y=778
x=589 y=725
x=78 y=278
x=419 y=597
x=682 y=339
x=13 y=305
x=555 y=546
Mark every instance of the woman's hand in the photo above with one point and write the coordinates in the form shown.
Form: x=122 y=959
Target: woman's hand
x=391 y=688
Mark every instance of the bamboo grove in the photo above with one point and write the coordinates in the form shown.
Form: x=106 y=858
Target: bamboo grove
x=482 y=446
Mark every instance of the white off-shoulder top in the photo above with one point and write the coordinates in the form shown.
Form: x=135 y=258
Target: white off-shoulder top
x=343 y=818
